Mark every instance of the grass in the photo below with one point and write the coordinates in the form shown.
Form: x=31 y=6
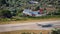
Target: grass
x=44 y=17
x=27 y=19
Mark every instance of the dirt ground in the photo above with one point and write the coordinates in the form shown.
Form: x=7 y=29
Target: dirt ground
x=27 y=32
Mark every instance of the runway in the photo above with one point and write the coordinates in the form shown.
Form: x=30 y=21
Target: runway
x=29 y=26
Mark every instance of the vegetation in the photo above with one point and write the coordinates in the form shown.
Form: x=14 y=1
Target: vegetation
x=13 y=10
x=56 y=31
x=6 y=13
x=57 y=13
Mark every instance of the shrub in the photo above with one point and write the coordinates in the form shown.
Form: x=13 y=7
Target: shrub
x=6 y=13
x=56 y=31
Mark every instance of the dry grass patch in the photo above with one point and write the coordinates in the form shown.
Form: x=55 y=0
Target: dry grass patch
x=29 y=20
x=29 y=31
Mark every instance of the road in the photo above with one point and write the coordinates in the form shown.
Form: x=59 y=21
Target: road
x=29 y=26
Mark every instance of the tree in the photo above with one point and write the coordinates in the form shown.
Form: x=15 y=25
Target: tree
x=57 y=12
x=2 y=2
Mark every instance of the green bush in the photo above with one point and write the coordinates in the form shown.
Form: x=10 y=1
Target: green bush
x=6 y=13
x=56 y=31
